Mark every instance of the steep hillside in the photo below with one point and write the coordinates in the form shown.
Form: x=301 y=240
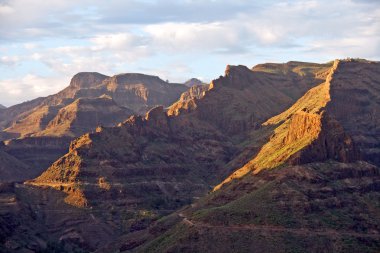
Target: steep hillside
x=91 y=99
x=37 y=153
x=312 y=129
x=148 y=141
x=83 y=114
x=18 y=112
x=144 y=162
x=310 y=187
x=186 y=101
x=306 y=174
x=243 y=98
x=150 y=166
x=142 y=92
x=2 y=107
x=318 y=207
x=132 y=91
x=11 y=169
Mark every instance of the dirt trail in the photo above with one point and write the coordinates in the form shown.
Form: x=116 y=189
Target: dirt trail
x=271 y=228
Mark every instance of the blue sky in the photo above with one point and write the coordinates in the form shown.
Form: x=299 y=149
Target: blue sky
x=44 y=43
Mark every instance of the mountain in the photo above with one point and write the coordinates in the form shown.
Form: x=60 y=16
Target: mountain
x=145 y=142
x=136 y=92
x=2 y=106
x=272 y=158
x=186 y=101
x=147 y=167
x=193 y=82
x=39 y=131
x=312 y=186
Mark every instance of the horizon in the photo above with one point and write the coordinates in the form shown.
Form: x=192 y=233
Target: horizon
x=42 y=45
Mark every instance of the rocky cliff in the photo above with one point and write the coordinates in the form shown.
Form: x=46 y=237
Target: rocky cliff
x=304 y=184
x=310 y=130
x=312 y=186
x=91 y=100
x=137 y=92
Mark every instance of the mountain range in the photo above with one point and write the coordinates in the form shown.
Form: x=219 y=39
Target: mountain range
x=276 y=158
x=39 y=131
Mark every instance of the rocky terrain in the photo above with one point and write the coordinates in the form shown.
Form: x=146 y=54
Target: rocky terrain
x=194 y=82
x=313 y=186
x=38 y=132
x=272 y=158
x=134 y=92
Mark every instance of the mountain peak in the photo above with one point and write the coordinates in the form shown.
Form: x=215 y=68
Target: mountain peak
x=236 y=70
x=193 y=82
x=86 y=79
x=134 y=78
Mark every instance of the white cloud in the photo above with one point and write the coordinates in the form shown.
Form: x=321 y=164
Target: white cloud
x=191 y=36
x=9 y=60
x=118 y=41
x=28 y=87
x=66 y=37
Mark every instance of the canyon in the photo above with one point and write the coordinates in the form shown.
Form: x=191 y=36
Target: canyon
x=279 y=157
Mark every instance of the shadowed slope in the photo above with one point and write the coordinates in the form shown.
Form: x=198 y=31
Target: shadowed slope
x=147 y=167
x=144 y=144
x=310 y=202
x=91 y=99
x=11 y=169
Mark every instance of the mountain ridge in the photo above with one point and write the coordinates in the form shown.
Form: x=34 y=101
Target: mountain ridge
x=326 y=185
x=149 y=179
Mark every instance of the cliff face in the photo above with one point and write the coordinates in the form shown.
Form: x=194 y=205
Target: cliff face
x=244 y=98
x=355 y=104
x=234 y=104
x=280 y=125
x=312 y=186
x=83 y=115
x=136 y=92
x=91 y=99
x=145 y=162
x=142 y=92
x=188 y=98
x=11 y=169
x=311 y=130
x=37 y=153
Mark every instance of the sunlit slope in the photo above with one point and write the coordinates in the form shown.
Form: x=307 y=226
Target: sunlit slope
x=305 y=123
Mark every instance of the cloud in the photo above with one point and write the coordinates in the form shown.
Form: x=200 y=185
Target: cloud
x=191 y=36
x=28 y=87
x=9 y=60
x=56 y=39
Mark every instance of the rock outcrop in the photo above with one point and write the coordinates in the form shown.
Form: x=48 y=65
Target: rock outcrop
x=188 y=98
x=194 y=82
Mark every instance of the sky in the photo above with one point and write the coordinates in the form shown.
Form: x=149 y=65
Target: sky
x=43 y=43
